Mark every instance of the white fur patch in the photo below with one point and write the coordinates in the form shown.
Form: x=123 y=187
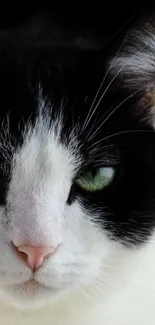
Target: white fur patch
x=90 y=280
x=37 y=213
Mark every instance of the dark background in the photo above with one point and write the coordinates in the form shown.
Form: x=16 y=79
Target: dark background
x=106 y=18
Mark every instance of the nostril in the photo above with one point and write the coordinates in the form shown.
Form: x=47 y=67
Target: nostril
x=21 y=255
x=34 y=256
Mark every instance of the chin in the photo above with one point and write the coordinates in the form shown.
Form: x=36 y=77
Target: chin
x=30 y=295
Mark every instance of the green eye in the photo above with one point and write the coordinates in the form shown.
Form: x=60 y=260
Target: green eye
x=97 y=180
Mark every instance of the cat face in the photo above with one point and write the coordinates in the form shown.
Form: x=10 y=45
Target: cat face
x=77 y=172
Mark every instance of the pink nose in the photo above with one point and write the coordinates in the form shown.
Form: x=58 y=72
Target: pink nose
x=35 y=256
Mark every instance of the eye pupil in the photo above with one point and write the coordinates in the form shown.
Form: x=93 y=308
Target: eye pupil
x=89 y=176
x=94 y=172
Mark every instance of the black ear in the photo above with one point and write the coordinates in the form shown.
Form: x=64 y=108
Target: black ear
x=133 y=66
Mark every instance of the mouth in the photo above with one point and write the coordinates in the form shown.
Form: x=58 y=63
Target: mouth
x=31 y=282
x=33 y=285
x=33 y=292
x=29 y=294
x=30 y=287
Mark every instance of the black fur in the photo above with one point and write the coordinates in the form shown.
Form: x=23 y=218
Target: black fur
x=70 y=69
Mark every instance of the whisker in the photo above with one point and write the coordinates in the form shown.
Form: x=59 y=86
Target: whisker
x=103 y=80
x=90 y=115
x=102 y=273
x=97 y=287
x=94 y=124
x=114 y=110
x=85 y=294
x=120 y=133
x=112 y=267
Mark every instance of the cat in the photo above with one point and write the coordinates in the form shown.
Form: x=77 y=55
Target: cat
x=77 y=179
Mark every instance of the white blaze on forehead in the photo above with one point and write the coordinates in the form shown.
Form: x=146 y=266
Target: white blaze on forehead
x=44 y=153
x=42 y=173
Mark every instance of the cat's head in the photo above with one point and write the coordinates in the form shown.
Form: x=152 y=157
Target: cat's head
x=76 y=173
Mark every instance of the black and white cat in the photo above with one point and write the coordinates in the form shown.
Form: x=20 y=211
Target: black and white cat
x=77 y=180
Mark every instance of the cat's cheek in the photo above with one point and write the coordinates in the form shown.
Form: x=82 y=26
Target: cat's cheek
x=77 y=261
